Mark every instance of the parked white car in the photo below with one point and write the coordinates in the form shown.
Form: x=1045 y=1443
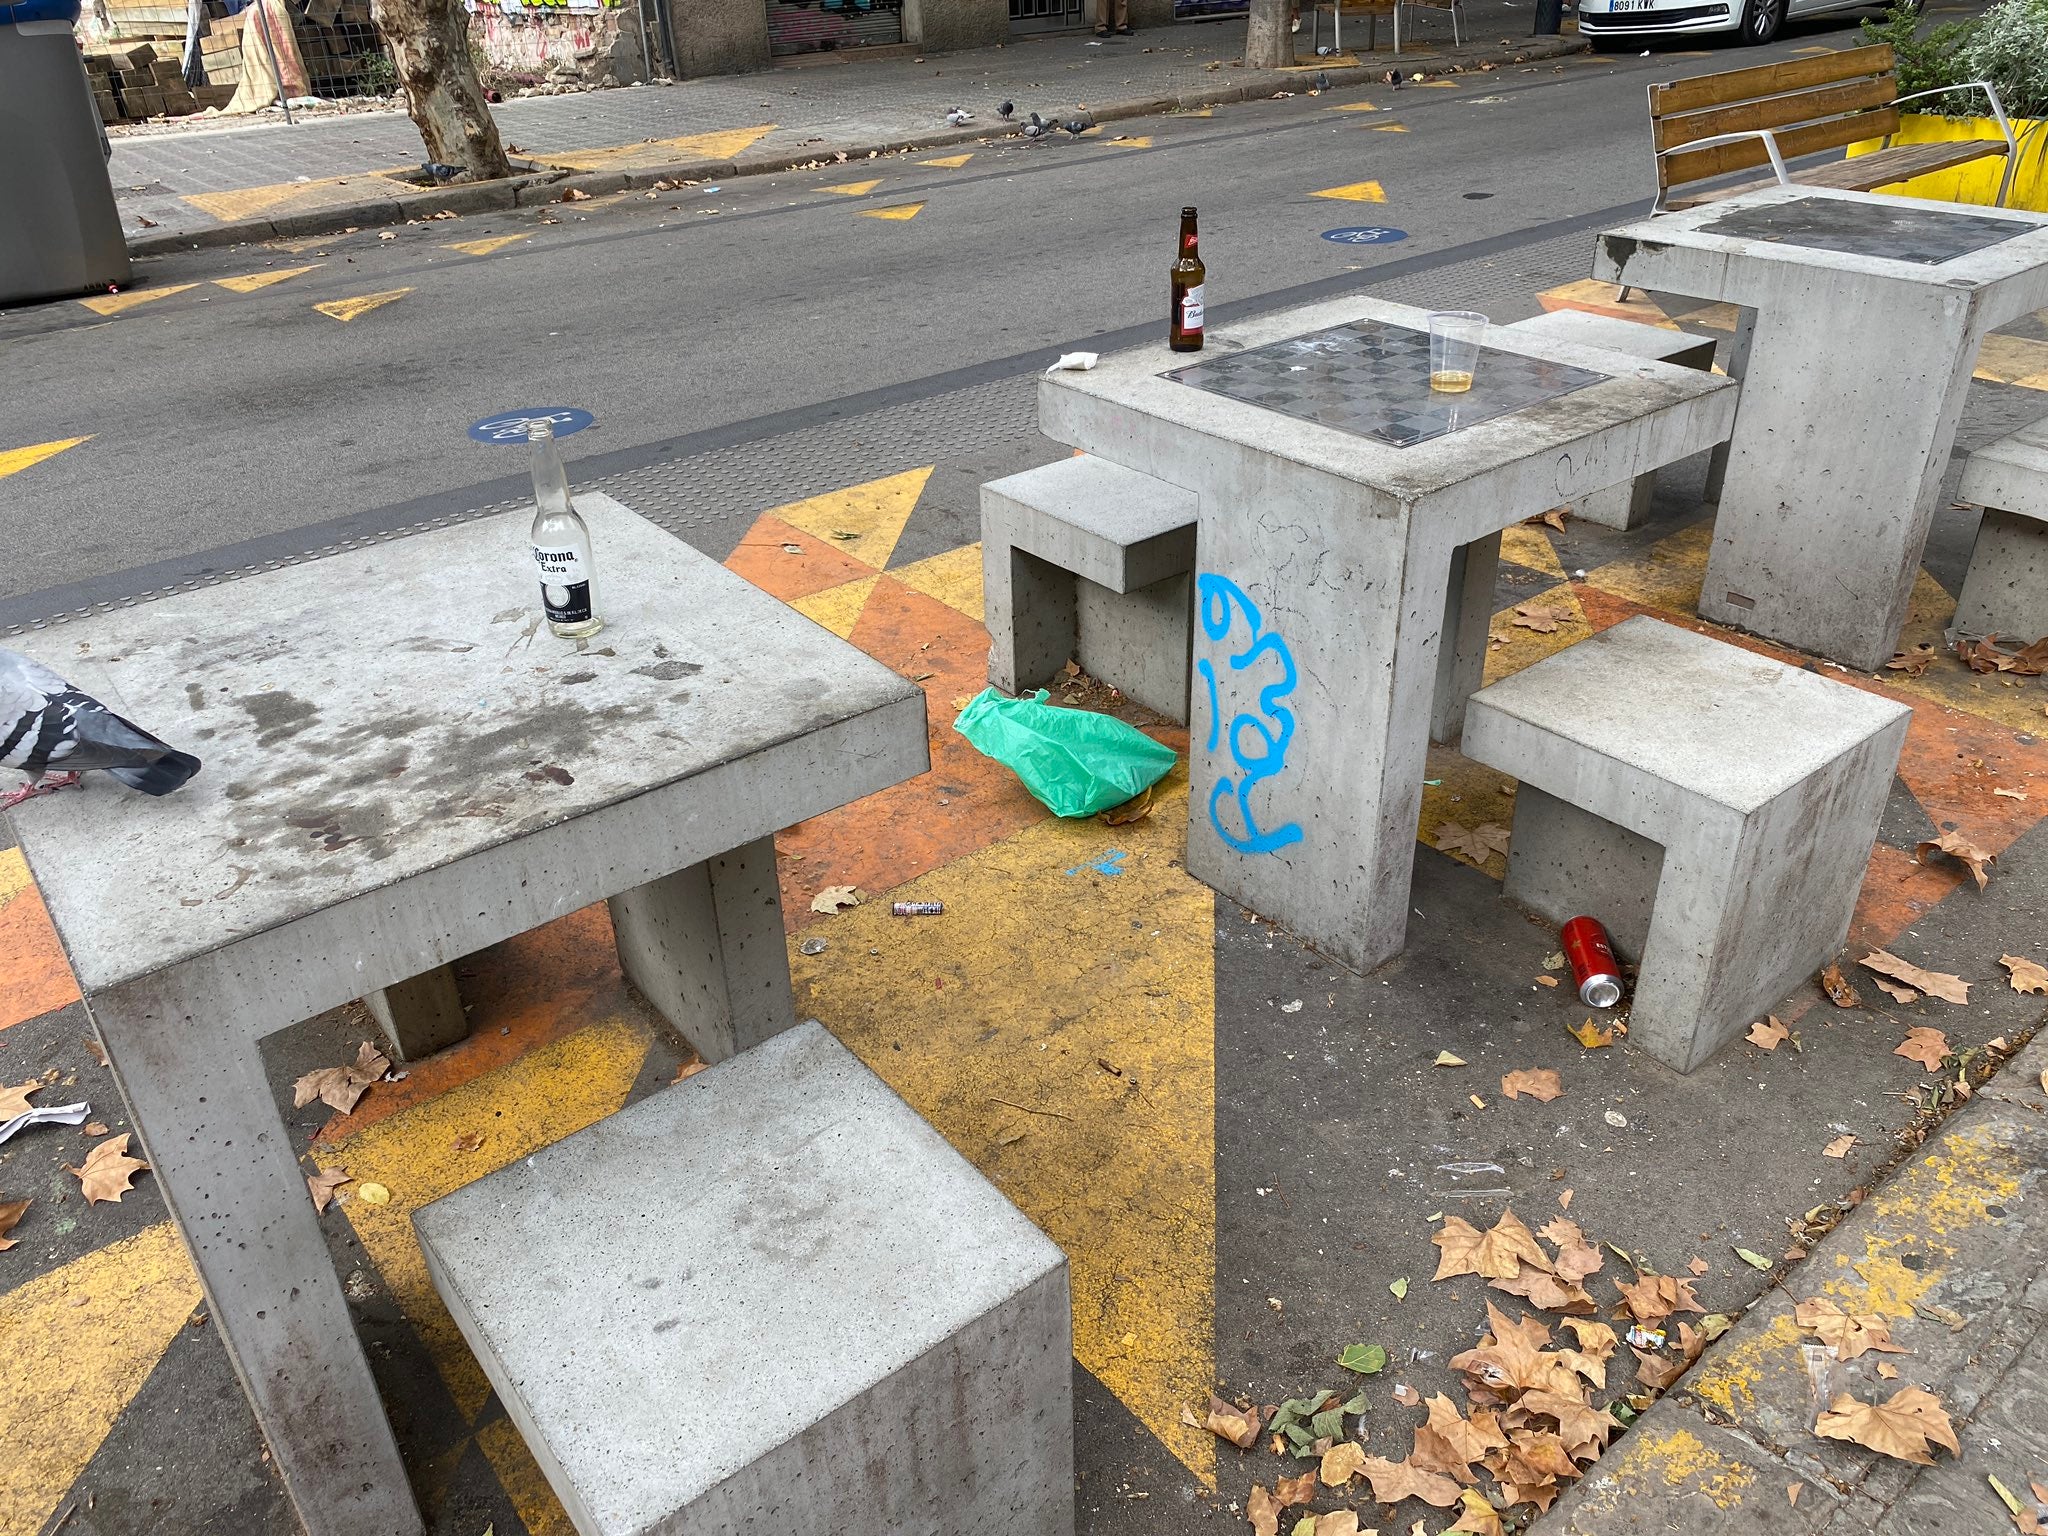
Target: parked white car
x=1611 y=24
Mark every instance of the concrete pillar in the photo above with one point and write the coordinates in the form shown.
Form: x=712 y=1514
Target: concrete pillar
x=718 y=37
x=1029 y=608
x=705 y=946
x=938 y=25
x=2005 y=591
x=1564 y=861
x=1137 y=641
x=1461 y=650
x=420 y=1016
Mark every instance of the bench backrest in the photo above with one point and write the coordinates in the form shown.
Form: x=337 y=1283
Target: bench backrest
x=1810 y=105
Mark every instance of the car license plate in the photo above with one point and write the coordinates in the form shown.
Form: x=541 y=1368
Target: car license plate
x=1632 y=5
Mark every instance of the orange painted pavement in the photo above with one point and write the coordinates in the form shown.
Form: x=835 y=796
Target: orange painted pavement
x=35 y=978
x=764 y=559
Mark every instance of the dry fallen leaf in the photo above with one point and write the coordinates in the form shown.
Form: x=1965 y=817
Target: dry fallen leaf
x=1851 y=1333
x=2027 y=975
x=1913 y=663
x=1837 y=987
x=1137 y=808
x=1902 y=1427
x=1475 y=1515
x=373 y=1194
x=1446 y=1059
x=96 y=1128
x=1228 y=1422
x=1577 y=1258
x=1341 y=1463
x=1887 y=1370
x=1449 y=1443
x=322 y=1185
x=99 y=1052
x=1542 y=620
x=1652 y=1298
x=340 y=1087
x=108 y=1170
x=1564 y=1198
x=1792 y=1492
x=1950 y=989
x=1263 y=1510
x=1295 y=1490
x=690 y=1069
x=15 y=1101
x=1483 y=842
x=1339 y=1522
x=575 y=195
x=1926 y=1046
x=1406 y=1395
x=1498 y=1254
x=1591 y=1035
x=1540 y=1083
x=834 y=897
x=1549 y=981
x=1770 y=1034
x=10 y=1217
x=1963 y=851
x=1393 y=1481
x=1897 y=993
x=1839 y=1147
x=469 y=1141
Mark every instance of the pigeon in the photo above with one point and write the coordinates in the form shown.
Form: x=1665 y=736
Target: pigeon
x=958 y=117
x=438 y=173
x=50 y=730
x=1037 y=128
x=1322 y=81
x=1076 y=126
x=1006 y=109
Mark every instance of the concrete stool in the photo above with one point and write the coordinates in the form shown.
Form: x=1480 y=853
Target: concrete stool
x=2006 y=589
x=1086 y=560
x=1714 y=808
x=1623 y=506
x=769 y=1299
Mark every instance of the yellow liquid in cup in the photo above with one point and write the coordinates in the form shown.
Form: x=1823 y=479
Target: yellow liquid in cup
x=1451 y=381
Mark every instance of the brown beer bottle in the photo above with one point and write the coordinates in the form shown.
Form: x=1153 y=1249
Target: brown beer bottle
x=1184 y=330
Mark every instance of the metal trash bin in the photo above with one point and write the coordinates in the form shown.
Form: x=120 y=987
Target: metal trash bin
x=59 y=230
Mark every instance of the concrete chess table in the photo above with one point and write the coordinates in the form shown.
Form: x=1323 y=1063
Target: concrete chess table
x=1863 y=315
x=1325 y=592
x=403 y=766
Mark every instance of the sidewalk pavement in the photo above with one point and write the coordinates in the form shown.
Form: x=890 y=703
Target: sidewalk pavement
x=1950 y=1254
x=231 y=185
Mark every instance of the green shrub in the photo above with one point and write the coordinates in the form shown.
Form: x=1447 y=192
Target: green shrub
x=2007 y=45
x=1924 y=63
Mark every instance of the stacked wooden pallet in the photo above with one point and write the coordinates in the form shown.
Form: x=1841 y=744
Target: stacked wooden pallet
x=132 y=55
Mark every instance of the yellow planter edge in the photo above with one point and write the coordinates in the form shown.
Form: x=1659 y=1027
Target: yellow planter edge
x=1976 y=182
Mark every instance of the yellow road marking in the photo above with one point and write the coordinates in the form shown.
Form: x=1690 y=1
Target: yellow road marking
x=1436 y=85
x=485 y=247
x=1521 y=646
x=954 y=578
x=79 y=1342
x=1389 y=128
x=949 y=162
x=1809 y=52
x=14 y=875
x=1353 y=106
x=1202 y=112
x=519 y=1108
x=969 y=1010
x=255 y=280
x=1356 y=192
x=114 y=303
x=900 y=212
x=2014 y=360
x=874 y=512
x=853 y=188
x=1142 y=142
x=1531 y=547
x=523 y=1481
x=346 y=310
x=247 y=202
x=14 y=460
x=717 y=145
x=1666 y=576
x=837 y=608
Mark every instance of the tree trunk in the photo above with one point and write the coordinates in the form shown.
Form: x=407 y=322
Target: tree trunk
x=429 y=45
x=1268 y=40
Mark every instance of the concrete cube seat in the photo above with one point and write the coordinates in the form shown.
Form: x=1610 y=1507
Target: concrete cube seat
x=1086 y=560
x=1714 y=808
x=1622 y=506
x=2006 y=589
x=769 y=1299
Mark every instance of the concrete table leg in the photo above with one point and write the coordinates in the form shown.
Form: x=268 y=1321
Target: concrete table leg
x=1461 y=648
x=1137 y=641
x=1029 y=606
x=2005 y=591
x=1848 y=412
x=1315 y=672
x=706 y=948
x=225 y=1164
x=1738 y=367
x=421 y=1015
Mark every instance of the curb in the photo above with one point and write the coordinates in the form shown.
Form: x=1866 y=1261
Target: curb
x=1949 y=1249
x=541 y=187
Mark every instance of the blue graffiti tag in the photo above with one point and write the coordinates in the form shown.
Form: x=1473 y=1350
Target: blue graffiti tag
x=1218 y=601
x=1111 y=863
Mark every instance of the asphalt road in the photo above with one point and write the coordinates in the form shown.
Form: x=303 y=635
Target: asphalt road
x=706 y=316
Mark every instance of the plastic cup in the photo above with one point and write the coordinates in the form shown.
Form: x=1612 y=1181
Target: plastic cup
x=1454 y=349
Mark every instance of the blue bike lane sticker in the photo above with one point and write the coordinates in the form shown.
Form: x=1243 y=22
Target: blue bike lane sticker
x=511 y=426
x=1219 y=604
x=1366 y=234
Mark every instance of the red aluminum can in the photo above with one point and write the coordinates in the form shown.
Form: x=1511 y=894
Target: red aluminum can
x=1595 y=969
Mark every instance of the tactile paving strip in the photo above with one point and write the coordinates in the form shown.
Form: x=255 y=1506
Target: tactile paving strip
x=1926 y=236
x=1372 y=379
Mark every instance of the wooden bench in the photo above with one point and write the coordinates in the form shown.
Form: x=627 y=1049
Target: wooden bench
x=1713 y=125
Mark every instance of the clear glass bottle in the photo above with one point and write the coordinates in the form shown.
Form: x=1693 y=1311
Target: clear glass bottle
x=561 y=542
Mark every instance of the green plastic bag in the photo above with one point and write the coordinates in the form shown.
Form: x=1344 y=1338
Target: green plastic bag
x=1075 y=761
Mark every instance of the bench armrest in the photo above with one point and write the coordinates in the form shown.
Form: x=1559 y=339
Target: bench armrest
x=1770 y=147
x=2012 y=148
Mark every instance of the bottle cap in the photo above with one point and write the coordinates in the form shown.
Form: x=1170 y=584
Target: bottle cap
x=540 y=431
